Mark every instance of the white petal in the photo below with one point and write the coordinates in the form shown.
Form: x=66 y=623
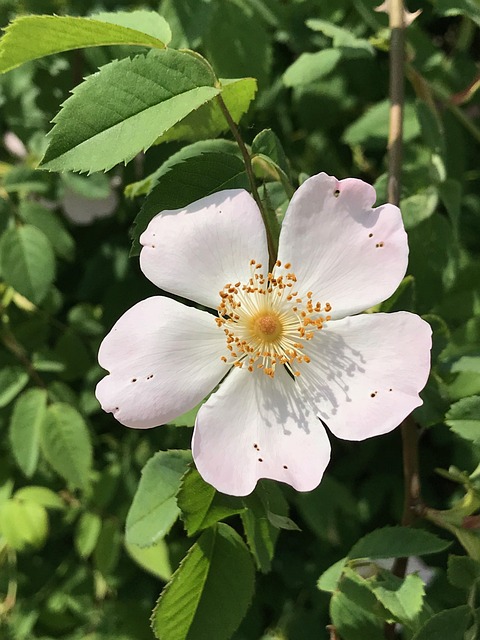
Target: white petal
x=194 y=252
x=163 y=358
x=366 y=372
x=341 y=249
x=255 y=427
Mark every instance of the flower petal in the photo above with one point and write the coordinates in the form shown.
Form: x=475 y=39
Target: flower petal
x=257 y=427
x=366 y=372
x=341 y=249
x=194 y=252
x=163 y=358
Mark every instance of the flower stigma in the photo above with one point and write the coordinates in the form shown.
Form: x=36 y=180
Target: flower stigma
x=265 y=321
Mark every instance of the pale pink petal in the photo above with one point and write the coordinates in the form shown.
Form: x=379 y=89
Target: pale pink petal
x=341 y=249
x=257 y=427
x=163 y=358
x=366 y=372
x=194 y=252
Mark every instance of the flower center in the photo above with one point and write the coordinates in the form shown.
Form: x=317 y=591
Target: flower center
x=266 y=326
x=265 y=321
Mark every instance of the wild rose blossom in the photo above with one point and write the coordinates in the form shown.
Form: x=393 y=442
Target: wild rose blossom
x=285 y=347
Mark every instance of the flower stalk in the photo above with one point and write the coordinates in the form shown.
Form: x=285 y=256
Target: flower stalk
x=269 y=219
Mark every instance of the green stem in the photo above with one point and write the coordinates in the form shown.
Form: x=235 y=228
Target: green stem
x=271 y=224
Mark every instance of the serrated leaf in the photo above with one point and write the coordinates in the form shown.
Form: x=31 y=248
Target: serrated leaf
x=310 y=67
x=154 y=508
x=31 y=37
x=397 y=542
x=25 y=428
x=208 y=120
x=463 y=572
x=210 y=592
x=187 y=182
x=121 y=110
x=27 y=262
x=201 y=505
x=66 y=444
x=463 y=418
x=450 y=624
x=403 y=598
x=12 y=380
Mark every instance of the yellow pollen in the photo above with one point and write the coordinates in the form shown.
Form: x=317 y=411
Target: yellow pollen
x=265 y=321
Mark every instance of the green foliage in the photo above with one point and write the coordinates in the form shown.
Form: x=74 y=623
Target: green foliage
x=210 y=592
x=154 y=508
x=305 y=84
x=31 y=37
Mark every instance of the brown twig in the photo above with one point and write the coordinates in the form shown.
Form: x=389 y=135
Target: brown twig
x=396 y=11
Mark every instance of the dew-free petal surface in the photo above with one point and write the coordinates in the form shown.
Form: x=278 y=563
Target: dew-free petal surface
x=163 y=358
x=194 y=252
x=340 y=248
x=366 y=372
x=257 y=427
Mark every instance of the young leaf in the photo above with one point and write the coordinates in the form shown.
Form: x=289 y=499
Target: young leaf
x=23 y=524
x=66 y=444
x=27 y=262
x=154 y=508
x=121 y=110
x=397 y=542
x=464 y=418
x=43 y=496
x=25 y=426
x=188 y=181
x=31 y=37
x=450 y=624
x=201 y=505
x=210 y=592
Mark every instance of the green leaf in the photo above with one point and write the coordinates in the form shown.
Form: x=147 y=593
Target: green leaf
x=49 y=223
x=463 y=418
x=201 y=505
x=403 y=598
x=467 y=8
x=371 y=129
x=66 y=444
x=87 y=532
x=261 y=534
x=342 y=38
x=210 y=592
x=187 y=182
x=27 y=262
x=154 y=559
x=32 y=37
x=25 y=428
x=107 y=550
x=463 y=572
x=397 y=542
x=121 y=110
x=23 y=524
x=154 y=508
x=267 y=144
x=237 y=44
x=329 y=579
x=208 y=120
x=446 y=625
x=419 y=206
x=43 y=496
x=310 y=67
x=12 y=380
x=353 y=622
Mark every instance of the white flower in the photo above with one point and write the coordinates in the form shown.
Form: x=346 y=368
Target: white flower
x=285 y=348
